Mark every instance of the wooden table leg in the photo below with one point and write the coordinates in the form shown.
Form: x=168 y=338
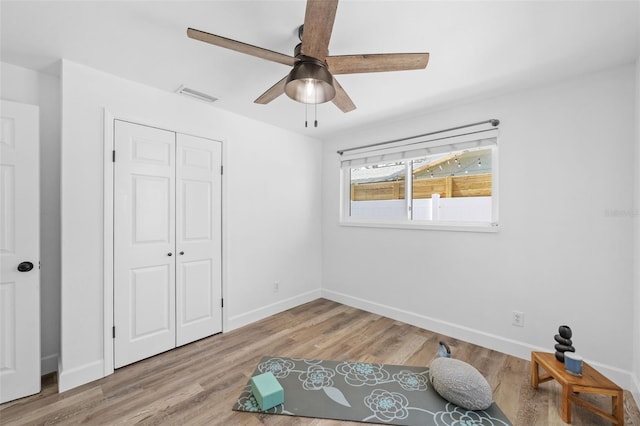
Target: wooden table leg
x=535 y=379
x=617 y=408
x=565 y=412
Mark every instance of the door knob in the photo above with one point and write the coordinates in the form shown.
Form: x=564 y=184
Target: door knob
x=25 y=266
x=169 y=254
x=181 y=253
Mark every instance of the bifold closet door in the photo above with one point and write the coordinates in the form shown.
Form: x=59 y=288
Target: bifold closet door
x=167 y=240
x=144 y=242
x=198 y=239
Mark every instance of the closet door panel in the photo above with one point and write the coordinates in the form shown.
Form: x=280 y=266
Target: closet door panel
x=150 y=286
x=196 y=297
x=199 y=241
x=151 y=220
x=144 y=242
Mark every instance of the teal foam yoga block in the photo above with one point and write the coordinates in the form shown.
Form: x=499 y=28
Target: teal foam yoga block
x=267 y=390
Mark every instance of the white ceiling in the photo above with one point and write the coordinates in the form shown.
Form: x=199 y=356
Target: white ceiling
x=477 y=48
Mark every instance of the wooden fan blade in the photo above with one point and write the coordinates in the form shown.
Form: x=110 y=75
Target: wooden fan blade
x=342 y=100
x=273 y=92
x=241 y=47
x=318 y=25
x=352 y=64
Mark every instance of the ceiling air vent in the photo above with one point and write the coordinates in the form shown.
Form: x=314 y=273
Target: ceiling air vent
x=196 y=94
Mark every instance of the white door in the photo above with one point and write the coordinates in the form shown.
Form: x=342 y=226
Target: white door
x=19 y=251
x=144 y=242
x=198 y=237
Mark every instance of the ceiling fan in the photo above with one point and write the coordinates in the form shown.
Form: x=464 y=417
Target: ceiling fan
x=311 y=80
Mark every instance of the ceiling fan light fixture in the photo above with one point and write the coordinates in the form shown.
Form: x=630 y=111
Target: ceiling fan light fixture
x=310 y=82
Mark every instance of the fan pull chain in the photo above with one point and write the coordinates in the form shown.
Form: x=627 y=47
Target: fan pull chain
x=315 y=122
x=306 y=108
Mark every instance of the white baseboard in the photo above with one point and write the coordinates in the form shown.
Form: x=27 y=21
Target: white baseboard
x=71 y=378
x=492 y=341
x=74 y=377
x=243 y=319
x=48 y=364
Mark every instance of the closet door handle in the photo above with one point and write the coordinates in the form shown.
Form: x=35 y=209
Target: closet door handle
x=169 y=254
x=181 y=253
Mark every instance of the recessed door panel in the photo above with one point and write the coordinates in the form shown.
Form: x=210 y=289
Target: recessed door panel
x=150 y=293
x=196 y=293
x=7 y=131
x=151 y=151
x=197 y=158
x=19 y=251
x=7 y=206
x=197 y=217
x=151 y=208
x=7 y=327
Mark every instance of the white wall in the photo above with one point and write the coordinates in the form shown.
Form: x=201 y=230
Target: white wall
x=567 y=261
x=27 y=86
x=271 y=208
x=636 y=254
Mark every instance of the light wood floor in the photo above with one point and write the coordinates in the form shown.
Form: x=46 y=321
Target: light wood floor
x=198 y=383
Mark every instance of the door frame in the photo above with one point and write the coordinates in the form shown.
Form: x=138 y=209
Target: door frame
x=108 y=229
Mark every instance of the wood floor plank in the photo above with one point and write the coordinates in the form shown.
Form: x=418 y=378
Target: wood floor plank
x=197 y=384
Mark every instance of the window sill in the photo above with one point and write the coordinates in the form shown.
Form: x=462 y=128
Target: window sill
x=423 y=225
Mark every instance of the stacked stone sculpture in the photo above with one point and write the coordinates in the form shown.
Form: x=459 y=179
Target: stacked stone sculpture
x=564 y=343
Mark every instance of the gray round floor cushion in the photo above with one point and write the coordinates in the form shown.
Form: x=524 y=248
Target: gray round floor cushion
x=460 y=383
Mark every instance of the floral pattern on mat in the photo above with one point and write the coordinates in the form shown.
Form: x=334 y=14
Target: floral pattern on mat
x=365 y=392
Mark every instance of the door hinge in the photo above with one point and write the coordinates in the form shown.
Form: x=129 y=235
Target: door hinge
x=113 y=332
x=221 y=170
x=222 y=303
x=113 y=156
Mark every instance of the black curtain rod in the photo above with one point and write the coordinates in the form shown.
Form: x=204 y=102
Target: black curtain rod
x=494 y=122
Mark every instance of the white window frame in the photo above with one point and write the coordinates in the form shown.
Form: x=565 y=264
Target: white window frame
x=488 y=138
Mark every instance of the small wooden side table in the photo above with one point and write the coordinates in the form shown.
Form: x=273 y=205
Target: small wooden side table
x=591 y=382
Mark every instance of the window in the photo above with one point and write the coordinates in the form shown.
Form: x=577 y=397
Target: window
x=450 y=183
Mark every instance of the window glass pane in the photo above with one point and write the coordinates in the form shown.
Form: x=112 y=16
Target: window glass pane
x=453 y=186
x=377 y=191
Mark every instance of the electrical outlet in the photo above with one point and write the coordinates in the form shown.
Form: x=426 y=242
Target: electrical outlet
x=517 y=319
x=276 y=286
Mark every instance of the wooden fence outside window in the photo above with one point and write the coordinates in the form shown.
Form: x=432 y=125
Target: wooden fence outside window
x=448 y=187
